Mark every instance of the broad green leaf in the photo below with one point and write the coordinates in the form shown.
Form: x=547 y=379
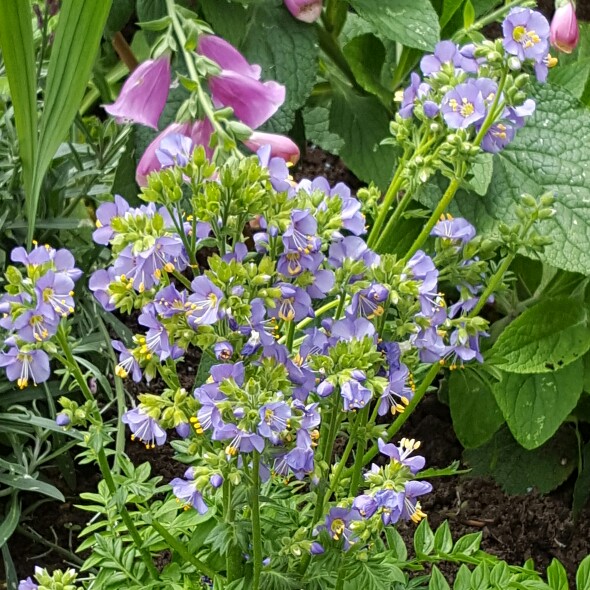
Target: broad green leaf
x=396 y=544
x=443 y=541
x=362 y=122
x=582 y=486
x=11 y=518
x=227 y=19
x=482 y=171
x=16 y=41
x=450 y=7
x=287 y=50
x=557 y=576
x=546 y=337
x=583 y=575
x=317 y=129
x=535 y=405
x=462 y=579
x=572 y=77
x=30 y=484
x=517 y=470
x=413 y=23
x=437 y=580
x=365 y=54
x=77 y=39
x=120 y=13
x=546 y=155
x=476 y=415
x=10 y=569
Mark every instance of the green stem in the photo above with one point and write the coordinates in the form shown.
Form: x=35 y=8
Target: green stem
x=290 y=336
x=395 y=217
x=256 y=531
x=340 y=579
x=394 y=187
x=234 y=555
x=182 y=551
x=347 y=450
x=182 y=279
x=133 y=533
x=492 y=285
x=434 y=218
x=402 y=418
x=357 y=468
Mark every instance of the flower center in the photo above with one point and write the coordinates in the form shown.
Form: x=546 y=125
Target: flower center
x=337 y=528
x=526 y=38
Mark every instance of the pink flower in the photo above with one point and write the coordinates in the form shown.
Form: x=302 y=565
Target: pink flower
x=144 y=94
x=199 y=132
x=280 y=146
x=238 y=84
x=307 y=11
x=565 y=33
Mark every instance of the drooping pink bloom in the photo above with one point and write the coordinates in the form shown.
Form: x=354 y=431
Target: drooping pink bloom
x=199 y=132
x=307 y=11
x=565 y=32
x=280 y=146
x=238 y=83
x=144 y=94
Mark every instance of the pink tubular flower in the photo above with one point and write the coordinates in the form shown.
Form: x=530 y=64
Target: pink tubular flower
x=565 y=33
x=307 y=11
x=144 y=94
x=238 y=84
x=199 y=132
x=280 y=146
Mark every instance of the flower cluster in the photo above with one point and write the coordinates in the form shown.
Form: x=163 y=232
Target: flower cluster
x=295 y=316
x=32 y=308
x=392 y=495
x=470 y=89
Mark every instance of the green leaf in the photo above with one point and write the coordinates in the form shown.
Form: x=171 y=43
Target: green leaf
x=10 y=522
x=475 y=413
x=413 y=23
x=437 y=580
x=583 y=575
x=443 y=541
x=396 y=544
x=120 y=13
x=287 y=50
x=462 y=579
x=535 y=405
x=450 y=7
x=317 y=129
x=557 y=576
x=423 y=539
x=77 y=39
x=546 y=337
x=362 y=122
x=481 y=171
x=546 y=155
x=16 y=41
x=30 y=484
x=572 y=77
x=365 y=54
x=468 y=14
x=582 y=486
x=227 y=19
x=517 y=469
x=468 y=544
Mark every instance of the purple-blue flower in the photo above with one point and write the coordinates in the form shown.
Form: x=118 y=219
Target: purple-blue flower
x=337 y=525
x=463 y=106
x=104 y=215
x=454 y=229
x=526 y=34
x=369 y=302
x=447 y=53
x=355 y=395
x=294 y=304
x=144 y=428
x=391 y=504
x=186 y=492
x=203 y=303
x=365 y=505
x=411 y=506
x=274 y=418
x=301 y=236
x=27 y=584
x=402 y=453
x=223 y=350
x=174 y=150
x=416 y=90
x=24 y=365
x=352 y=248
x=127 y=362
x=99 y=284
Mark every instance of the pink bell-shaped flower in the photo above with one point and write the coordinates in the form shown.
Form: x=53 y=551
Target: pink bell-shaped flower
x=280 y=146
x=143 y=96
x=565 y=32
x=238 y=84
x=307 y=11
x=198 y=132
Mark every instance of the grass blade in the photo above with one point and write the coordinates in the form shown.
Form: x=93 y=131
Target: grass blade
x=16 y=41
x=76 y=44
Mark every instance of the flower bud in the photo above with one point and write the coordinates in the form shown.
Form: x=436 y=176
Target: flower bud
x=62 y=420
x=307 y=11
x=316 y=548
x=216 y=480
x=324 y=389
x=183 y=429
x=565 y=32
